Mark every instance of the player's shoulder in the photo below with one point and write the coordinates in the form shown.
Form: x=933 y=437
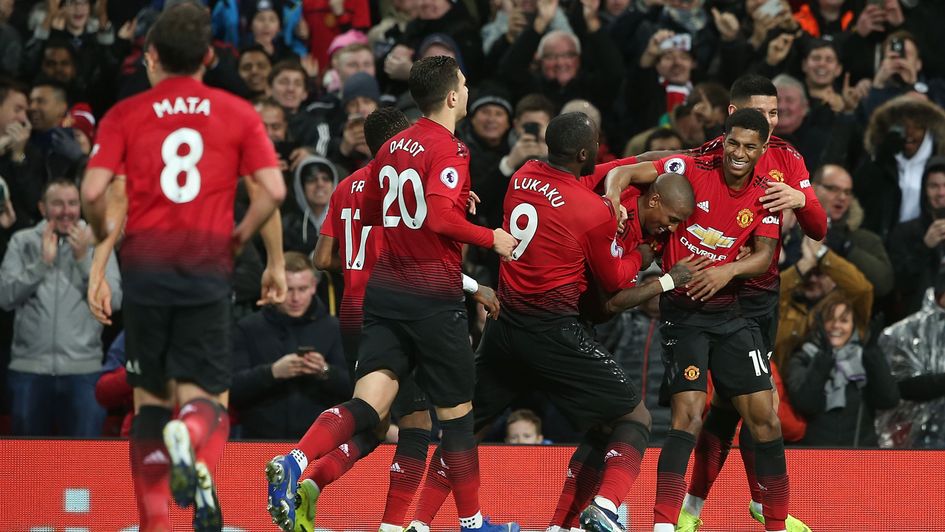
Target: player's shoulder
x=784 y=150
x=344 y=186
x=711 y=147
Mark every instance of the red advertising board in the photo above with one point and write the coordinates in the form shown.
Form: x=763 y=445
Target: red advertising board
x=69 y=485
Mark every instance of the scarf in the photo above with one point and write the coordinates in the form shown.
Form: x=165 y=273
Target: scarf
x=676 y=95
x=847 y=368
x=692 y=19
x=910 y=179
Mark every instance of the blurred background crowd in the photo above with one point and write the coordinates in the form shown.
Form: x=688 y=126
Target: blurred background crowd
x=861 y=85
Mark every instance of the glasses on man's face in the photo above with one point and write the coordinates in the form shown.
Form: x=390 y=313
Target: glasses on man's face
x=834 y=189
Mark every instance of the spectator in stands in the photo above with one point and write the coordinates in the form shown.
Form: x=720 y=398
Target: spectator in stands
x=315 y=180
x=710 y=105
x=662 y=139
x=510 y=19
x=902 y=135
x=565 y=66
x=862 y=247
x=288 y=359
x=915 y=348
x=860 y=47
x=59 y=64
x=82 y=123
x=900 y=72
x=822 y=70
x=277 y=128
x=636 y=343
x=816 y=274
x=347 y=61
x=486 y=133
x=360 y=97
x=11 y=46
x=810 y=134
x=57 y=347
x=326 y=20
x=48 y=107
x=21 y=164
x=254 y=66
x=288 y=84
x=682 y=18
x=265 y=30
x=824 y=19
x=838 y=378
x=661 y=82
x=683 y=121
x=604 y=153
x=523 y=427
x=919 y=244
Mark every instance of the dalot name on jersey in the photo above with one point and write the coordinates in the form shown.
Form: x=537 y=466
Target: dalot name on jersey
x=408 y=145
x=536 y=185
x=190 y=105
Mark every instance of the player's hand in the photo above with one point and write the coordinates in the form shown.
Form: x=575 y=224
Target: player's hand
x=780 y=196
x=472 y=202
x=743 y=253
x=486 y=296
x=935 y=234
x=706 y=283
x=779 y=48
x=273 y=287
x=503 y=244
x=99 y=294
x=50 y=244
x=683 y=271
x=621 y=219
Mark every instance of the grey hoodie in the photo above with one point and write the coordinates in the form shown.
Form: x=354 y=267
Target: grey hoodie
x=54 y=332
x=308 y=217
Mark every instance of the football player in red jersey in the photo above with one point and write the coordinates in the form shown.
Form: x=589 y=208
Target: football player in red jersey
x=704 y=329
x=418 y=193
x=182 y=147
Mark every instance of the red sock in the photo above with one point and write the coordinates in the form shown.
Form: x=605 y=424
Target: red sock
x=201 y=416
x=671 y=475
x=149 y=468
x=588 y=482
x=436 y=487
x=772 y=476
x=622 y=460
x=581 y=481
x=406 y=472
x=336 y=426
x=746 y=447
x=461 y=457
x=330 y=467
x=712 y=448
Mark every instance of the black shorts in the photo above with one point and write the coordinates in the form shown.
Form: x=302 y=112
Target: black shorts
x=580 y=377
x=435 y=350
x=184 y=343
x=768 y=327
x=410 y=398
x=733 y=350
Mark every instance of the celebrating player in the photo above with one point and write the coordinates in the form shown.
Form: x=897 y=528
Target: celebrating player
x=418 y=194
x=182 y=146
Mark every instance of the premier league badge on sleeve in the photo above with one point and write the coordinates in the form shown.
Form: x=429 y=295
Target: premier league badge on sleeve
x=449 y=177
x=676 y=165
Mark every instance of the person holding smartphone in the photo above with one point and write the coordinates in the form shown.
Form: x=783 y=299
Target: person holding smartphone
x=288 y=358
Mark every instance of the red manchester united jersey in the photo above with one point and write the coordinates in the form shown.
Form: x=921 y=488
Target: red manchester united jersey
x=563 y=230
x=418 y=271
x=183 y=146
x=782 y=163
x=358 y=244
x=723 y=220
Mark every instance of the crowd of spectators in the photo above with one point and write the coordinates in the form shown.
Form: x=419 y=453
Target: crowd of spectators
x=861 y=85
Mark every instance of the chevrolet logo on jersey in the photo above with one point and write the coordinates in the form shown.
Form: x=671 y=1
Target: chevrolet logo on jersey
x=711 y=238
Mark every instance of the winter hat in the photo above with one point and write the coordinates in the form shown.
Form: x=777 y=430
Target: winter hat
x=360 y=84
x=80 y=117
x=346 y=38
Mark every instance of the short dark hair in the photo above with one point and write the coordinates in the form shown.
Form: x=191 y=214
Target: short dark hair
x=8 y=85
x=535 y=102
x=660 y=134
x=431 y=80
x=751 y=85
x=57 y=87
x=568 y=134
x=58 y=43
x=292 y=65
x=817 y=44
x=748 y=119
x=381 y=125
x=255 y=47
x=58 y=182
x=525 y=414
x=181 y=37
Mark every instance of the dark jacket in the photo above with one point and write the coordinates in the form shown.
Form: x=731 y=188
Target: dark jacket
x=863 y=248
x=284 y=409
x=853 y=424
x=876 y=182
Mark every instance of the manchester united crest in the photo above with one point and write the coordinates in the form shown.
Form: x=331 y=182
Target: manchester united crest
x=691 y=373
x=744 y=218
x=776 y=175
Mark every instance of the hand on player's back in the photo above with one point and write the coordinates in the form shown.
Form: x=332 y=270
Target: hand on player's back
x=503 y=244
x=486 y=296
x=683 y=271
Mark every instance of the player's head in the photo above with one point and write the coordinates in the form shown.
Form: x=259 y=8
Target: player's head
x=667 y=203
x=437 y=84
x=60 y=204
x=752 y=91
x=572 y=142
x=179 y=41
x=523 y=428
x=301 y=282
x=746 y=135
x=383 y=124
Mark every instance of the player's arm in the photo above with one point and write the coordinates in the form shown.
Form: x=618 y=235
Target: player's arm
x=326 y=254
x=273 y=284
x=95 y=185
x=711 y=280
x=797 y=193
x=681 y=273
x=611 y=272
x=269 y=193
x=620 y=178
x=99 y=294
